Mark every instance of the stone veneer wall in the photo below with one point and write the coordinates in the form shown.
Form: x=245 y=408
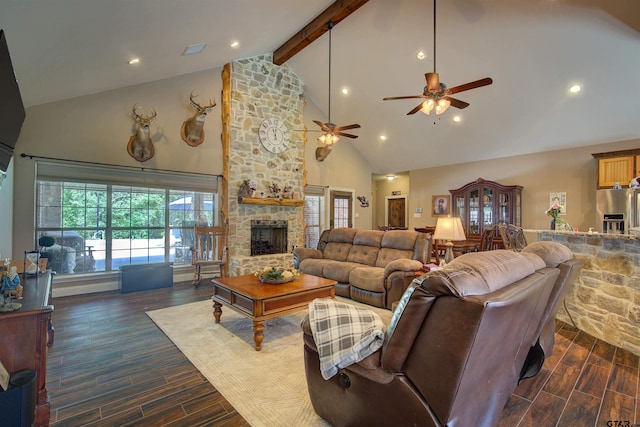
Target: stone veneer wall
x=261 y=90
x=605 y=300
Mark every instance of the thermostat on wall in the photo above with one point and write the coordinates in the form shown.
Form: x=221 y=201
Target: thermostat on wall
x=418 y=210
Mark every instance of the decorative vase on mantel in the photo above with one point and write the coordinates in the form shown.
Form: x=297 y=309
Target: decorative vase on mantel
x=553 y=224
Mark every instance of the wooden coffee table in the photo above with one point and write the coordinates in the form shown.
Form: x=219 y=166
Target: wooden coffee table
x=259 y=301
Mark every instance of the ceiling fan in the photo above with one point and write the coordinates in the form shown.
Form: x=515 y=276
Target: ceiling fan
x=330 y=132
x=436 y=94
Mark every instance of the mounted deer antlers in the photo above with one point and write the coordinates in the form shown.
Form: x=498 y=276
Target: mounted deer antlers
x=140 y=146
x=192 y=131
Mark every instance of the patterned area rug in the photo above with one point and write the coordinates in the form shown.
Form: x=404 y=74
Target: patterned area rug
x=267 y=387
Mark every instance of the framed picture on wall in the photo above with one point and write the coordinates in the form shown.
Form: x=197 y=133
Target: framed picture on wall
x=440 y=205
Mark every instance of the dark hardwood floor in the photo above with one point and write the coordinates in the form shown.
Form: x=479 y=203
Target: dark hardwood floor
x=111 y=366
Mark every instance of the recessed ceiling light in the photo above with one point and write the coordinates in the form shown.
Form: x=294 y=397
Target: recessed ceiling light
x=390 y=177
x=457 y=119
x=421 y=55
x=134 y=61
x=345 y=91
x=234 y=44
x=575 y=88
x=383 y=137
x=194 y=48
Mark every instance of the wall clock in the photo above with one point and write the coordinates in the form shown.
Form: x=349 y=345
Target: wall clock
x=274 y=135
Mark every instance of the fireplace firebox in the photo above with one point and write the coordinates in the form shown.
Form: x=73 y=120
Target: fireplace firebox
x=268 y=237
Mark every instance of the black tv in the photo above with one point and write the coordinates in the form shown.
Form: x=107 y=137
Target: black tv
x=12 y=112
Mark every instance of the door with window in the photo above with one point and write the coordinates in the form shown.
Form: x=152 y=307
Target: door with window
x=340 y=214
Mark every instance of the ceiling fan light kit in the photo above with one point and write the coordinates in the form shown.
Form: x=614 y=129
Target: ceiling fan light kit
x=436 y=94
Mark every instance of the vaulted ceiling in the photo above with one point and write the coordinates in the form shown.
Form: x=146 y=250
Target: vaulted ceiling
x=532 y=49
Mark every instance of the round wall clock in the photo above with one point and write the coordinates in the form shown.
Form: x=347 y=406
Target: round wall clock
x=274 y=135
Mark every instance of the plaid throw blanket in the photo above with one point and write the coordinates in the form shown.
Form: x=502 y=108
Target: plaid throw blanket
x=344 y=334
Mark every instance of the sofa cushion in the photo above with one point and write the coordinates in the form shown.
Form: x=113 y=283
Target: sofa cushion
x=313 y=266
x=553 y=253
x=386 y=255
x=366 y=245
x=396 y=244
x=368 y=278
x=342 y=235
x=337 y=251
x=338 y=271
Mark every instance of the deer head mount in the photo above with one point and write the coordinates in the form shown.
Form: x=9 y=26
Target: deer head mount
x=140 y=146
x=323 y=152
x=363 y=201
x=192 y=131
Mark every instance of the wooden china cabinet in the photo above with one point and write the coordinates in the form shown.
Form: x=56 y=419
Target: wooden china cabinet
x=483 y=204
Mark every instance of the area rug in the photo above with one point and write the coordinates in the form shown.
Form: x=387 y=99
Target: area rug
x=267 y=387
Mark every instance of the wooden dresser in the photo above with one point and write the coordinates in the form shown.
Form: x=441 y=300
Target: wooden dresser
x=25 y=334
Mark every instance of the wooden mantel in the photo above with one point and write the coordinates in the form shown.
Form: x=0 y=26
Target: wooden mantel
x=269 y=201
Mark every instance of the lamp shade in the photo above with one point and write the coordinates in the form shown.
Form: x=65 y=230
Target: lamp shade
x=449 y=228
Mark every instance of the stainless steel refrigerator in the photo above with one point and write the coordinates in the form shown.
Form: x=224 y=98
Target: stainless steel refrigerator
x=617 y=211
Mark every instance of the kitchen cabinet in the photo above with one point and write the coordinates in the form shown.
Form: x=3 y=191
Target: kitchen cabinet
x=617 y=167
x=483 y=204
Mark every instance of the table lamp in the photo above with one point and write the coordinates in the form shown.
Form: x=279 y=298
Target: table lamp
x=449 y=228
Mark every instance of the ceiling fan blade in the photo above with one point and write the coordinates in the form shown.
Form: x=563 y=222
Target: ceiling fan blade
x=468 y=86
x=389 y=98
x=415 y=110
x=347 y=127
x=323 y=126
x=348 y=135
x=457 y=103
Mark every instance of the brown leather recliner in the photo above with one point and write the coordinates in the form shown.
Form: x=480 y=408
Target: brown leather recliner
x=454 y=350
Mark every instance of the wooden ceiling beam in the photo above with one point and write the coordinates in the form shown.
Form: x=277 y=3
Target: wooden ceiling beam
x=316 y=28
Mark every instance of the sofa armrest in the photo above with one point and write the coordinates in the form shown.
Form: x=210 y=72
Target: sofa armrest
x=403 y=265
x=300 y=254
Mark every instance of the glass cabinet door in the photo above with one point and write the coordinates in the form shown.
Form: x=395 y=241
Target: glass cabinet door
x=459 y=208
x=504 y=209
x=474 y=212
x=487 y=208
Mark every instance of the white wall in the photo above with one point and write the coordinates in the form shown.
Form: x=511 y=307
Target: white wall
x=344 y=167
x=96 y=128
x=6 y=213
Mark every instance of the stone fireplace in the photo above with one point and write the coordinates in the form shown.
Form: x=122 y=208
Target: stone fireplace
x=259 y=90
x=268 y=237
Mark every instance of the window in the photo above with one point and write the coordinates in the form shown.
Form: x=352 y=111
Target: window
x=313 y=213
x=98 y=226
x=341 y=202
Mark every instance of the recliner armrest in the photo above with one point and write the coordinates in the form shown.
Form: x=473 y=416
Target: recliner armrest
x=299 y=254
x=406 y=265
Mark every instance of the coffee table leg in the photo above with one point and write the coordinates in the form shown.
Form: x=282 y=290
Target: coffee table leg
x=217 y=311
x=258 y=335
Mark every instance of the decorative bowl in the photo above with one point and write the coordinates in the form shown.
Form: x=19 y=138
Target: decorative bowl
x=276 y=275
x=276 y=281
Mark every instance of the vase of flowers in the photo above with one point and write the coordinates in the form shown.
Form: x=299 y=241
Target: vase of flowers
x=554 y=210
x=247 y=188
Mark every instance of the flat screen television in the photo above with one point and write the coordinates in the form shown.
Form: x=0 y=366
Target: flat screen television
x=12 y=112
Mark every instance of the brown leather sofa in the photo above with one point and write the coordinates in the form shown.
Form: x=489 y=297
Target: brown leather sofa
x=371 y=266
x=456 y=346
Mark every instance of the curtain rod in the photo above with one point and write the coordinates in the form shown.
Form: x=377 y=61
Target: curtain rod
x=142 y=169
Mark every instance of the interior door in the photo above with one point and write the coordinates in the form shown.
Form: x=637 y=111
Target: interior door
x=397 y=212
x=340 y=214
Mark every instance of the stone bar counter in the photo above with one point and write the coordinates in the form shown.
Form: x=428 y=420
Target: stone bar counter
x=605 y=299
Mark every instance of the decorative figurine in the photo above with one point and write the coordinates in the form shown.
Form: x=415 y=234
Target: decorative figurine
x=11 y=284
